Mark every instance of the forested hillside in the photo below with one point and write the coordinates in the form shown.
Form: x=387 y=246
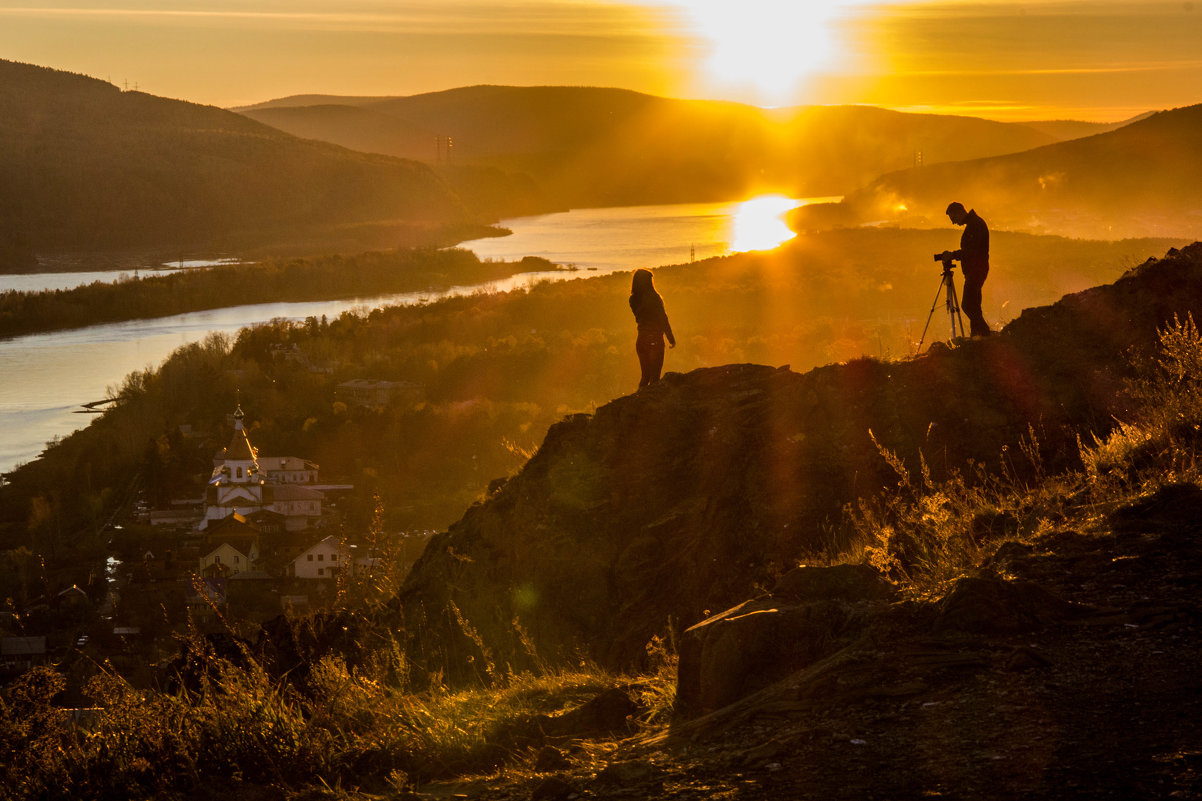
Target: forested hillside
x=1144 y=179
x=87 y=166
x=596 y=147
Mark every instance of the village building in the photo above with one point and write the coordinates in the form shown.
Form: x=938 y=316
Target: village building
x=21 y=654
x=236 y=487
x=299 y=506
x=327 y=558
x=288 y=470
x=242 y=483
x=321 y=561
x=230 y=558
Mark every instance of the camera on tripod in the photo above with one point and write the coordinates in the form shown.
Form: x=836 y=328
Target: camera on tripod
x=947 y=291
x=947 y=257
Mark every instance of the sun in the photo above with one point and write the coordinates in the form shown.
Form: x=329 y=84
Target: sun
x=767 y=48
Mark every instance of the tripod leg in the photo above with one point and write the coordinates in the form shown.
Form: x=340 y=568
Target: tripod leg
x=934 y=305
x=953 y=308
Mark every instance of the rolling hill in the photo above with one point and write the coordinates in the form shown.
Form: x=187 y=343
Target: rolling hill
x=1144 y=179
x=598 y=146
x=85 y=166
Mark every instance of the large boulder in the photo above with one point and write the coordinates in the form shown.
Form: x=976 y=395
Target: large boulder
x=842 y=582
x=749 y=646
x=984 y=605
x=812 y=612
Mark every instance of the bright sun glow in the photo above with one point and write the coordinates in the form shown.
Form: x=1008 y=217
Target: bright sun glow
x=759 y=224
x=768 y=46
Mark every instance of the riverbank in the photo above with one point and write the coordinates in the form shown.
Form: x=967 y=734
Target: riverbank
x=343 y=239
x=320 y=278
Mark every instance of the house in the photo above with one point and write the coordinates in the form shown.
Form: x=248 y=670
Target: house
x=323 y=560
x=72 y=598
x=267 y=521
x=299 y=505
x=288 y=470
x=22 y=653
x=230 y=558
x=236 y=525
x=229 y=546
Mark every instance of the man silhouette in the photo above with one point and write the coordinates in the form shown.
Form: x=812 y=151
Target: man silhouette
x=973 y=256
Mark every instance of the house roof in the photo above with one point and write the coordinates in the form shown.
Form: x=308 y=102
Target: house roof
x=242 y=544
x=290 y=492
x=261 y=516
x=22 y=646
x=330 y=541
x=285 y=463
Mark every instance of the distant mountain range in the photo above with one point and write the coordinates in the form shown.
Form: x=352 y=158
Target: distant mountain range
x=594 y=146
x=86 y=166
x=1143 y=179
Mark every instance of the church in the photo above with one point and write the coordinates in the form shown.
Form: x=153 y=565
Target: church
x=245 y=484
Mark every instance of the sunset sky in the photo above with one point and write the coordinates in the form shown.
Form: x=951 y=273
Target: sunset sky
x=1085 y=59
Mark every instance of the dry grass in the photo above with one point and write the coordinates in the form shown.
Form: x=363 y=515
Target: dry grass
x=924 y=534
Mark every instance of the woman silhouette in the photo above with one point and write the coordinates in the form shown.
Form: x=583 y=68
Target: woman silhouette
x=652 y=320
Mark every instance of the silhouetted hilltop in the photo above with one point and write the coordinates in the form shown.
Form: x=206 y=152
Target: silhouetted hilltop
x=691 y=495
x=598 y=146
x=85 y=165
x=1144 y=179
x=358 y=128
x=1076 y=129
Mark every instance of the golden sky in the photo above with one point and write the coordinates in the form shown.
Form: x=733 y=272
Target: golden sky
x=1084 y=59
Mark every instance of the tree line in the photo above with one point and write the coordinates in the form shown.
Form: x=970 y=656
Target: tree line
x=326 y=278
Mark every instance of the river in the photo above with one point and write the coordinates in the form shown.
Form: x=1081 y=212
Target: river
x=47 y=377
x=39 y=282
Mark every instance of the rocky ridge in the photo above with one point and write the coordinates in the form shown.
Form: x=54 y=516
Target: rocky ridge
x=700 y=492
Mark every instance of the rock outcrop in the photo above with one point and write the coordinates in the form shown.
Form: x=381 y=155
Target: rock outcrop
x=699 y=492
x=812 y=612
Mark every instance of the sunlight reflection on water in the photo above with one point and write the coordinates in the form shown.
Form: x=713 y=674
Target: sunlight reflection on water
x=625 y=238
x=759 y=223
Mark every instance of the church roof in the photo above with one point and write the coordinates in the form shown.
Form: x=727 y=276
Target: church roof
x=239 y=449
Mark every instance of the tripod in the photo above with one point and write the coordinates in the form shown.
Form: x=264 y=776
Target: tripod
x=951 y=302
